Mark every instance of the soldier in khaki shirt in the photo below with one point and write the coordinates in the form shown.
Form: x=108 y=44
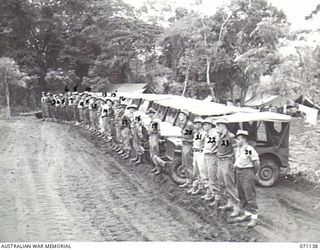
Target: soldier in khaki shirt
x=187 y=140
x=199 y=174
x=210 y=157
x=225 y=174
x=247 y=164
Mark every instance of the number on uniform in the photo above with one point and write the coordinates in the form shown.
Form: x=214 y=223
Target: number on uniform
x=188 y=132
x=138 y=118
x=248 y=152
x=199 y=136
x=122 y=98
x=225 y=143
x=104 y=94
x=114 y=94
x=212 y=140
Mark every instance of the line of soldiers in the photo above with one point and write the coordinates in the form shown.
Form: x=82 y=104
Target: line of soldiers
x=218 y=163
x=109 y=119
x=223 y=165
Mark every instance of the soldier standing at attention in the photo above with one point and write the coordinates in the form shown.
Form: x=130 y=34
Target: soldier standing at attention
x=86 y=111
x=49 y=105
x=113 y=133
x=80 y=108
x=63 y=104
x=154 y=139
x=127 y=120
x=52 y=107
x=74 y=105
x=247 y=165
x=44 y=106
x=187 y=141
x=108 y=119
x=100 y=115
x=226 y=178
x=139 y=137
x=92 y=112
x=198 y=161
x=210 y=158
x=118 y=113
x=58 y=108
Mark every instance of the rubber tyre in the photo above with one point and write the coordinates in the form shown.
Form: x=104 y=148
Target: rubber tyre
x=38 y=115
x=268 y=173
x=177 y=174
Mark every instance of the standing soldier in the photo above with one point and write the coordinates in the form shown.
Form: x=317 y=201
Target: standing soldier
x=226 y=178
x=247 y=165
x=127 y=121
x=139 y=137
x=119 y=112
x=58 y=108
x=63 y=104
x=86 y=117
x=52 y=105
x=187 y=140
x=199 y=174
x=49 y=105
x=44 y=106
x=154 y=140
x=108 y=119
x=69 y=107
x=210 y=158
x=74 y=104
x=92 y=107
x=80 y=108
x=102 y=109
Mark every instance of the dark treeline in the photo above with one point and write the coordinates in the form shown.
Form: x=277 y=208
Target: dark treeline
x=94 y=42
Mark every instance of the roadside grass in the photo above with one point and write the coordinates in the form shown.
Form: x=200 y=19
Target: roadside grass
x=304 y=149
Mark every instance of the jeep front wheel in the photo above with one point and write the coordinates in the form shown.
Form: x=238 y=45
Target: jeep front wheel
x=268 y=173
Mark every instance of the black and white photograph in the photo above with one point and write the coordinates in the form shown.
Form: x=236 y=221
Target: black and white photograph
x=155 y=121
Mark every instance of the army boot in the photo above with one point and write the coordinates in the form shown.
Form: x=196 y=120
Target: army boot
x=210 y=197
x=139 y=159
x=154 y=169
x=226 y=207
x=235 y=212
x=215 y=203
x=120 y=152
x=208 y=192
x=185 y=185
x=245 y=217
x=135 y=158
x=127 y=155
x=158 y=171
x=253 y=222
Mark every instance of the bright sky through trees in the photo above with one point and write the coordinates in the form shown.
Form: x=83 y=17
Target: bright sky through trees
x=296 y=10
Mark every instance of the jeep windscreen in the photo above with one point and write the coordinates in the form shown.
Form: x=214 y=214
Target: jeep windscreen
x=136 y=101
x=171 y=115
x=144 y=105
x=161 y=111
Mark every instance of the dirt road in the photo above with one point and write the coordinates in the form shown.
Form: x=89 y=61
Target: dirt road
x=57 y=183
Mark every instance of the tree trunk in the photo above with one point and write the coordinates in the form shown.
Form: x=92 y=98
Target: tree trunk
x=208 y=70
x=7 y=95
x=232 y=93
x=186 y=82
x=244 y=92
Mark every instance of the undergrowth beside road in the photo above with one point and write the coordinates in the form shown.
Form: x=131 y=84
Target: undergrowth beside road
x=304 y=151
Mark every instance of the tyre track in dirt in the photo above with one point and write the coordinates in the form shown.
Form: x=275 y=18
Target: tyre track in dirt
x=57 y=187
x=58 y=183
x=289 y=215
